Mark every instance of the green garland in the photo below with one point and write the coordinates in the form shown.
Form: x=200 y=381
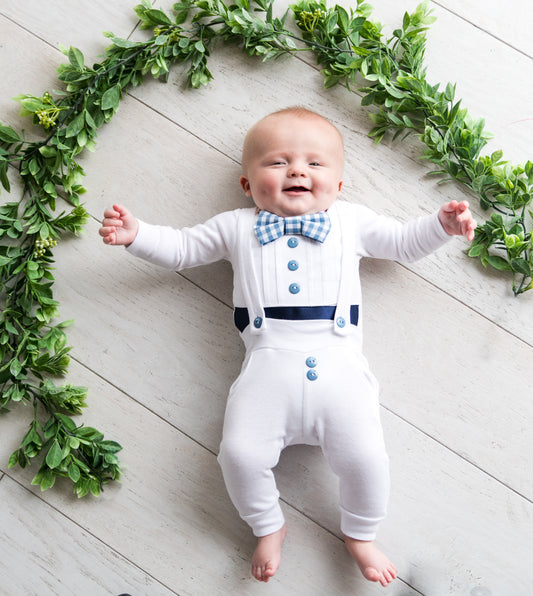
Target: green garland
x=351 y=50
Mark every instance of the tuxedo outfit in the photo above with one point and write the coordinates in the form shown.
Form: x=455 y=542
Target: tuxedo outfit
x=304 y=378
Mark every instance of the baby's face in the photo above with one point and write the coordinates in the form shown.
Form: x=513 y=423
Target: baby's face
x=293 y=165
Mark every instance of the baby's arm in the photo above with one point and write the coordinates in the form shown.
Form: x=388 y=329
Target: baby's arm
x=119 y=226
x=457 y=220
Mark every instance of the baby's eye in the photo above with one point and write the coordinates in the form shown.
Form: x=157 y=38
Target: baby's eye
x=314 y=163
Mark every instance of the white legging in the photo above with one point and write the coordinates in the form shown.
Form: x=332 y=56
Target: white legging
x=318 y=396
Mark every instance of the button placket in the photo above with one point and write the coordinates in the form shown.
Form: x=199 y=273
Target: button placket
x=293 y=265
x=311 y=363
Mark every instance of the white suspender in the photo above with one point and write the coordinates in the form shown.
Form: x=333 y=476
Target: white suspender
x=341 y=321
x=248 y=273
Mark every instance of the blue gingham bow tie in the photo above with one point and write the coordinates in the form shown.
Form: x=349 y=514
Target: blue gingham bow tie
x=270 y=227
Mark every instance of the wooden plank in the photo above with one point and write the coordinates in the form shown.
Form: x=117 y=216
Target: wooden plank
x=43 y=552
x=171 y=516
x=79 y=24
x=509 y=21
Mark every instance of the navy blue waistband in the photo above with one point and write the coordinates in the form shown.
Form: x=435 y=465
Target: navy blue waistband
x=294 y=313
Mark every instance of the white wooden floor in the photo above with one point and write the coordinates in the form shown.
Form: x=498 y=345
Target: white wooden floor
x=452 y=348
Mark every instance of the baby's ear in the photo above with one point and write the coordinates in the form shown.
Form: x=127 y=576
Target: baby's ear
x=245 y=185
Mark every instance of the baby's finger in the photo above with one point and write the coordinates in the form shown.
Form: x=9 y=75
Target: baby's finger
x=113 y=213
x=110 y=238
x=110 y=221
x=465 y=215
x=106 y=231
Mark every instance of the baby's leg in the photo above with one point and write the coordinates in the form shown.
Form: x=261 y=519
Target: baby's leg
x=252 y=488
x=353 y=445
x=255 y=426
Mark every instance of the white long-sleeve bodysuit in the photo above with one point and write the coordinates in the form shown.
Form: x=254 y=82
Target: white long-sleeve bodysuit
x=302 y=381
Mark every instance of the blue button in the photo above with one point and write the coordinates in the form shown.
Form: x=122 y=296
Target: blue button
x=312 y=375
x=341 y=322
x=258 y=321
x=294 y=288
x=292 y=242
x=293 y=265
x=311 y=362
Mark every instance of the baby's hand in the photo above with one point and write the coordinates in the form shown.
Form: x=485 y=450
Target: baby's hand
x=457 y=220
x=119 y=226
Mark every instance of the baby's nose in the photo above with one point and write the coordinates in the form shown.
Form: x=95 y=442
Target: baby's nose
x=296 y=171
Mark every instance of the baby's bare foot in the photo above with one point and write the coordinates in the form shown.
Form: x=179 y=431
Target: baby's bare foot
x=374 y=565
x=267 y=555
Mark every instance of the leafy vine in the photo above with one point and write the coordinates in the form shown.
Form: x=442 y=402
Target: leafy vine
x=390 y=76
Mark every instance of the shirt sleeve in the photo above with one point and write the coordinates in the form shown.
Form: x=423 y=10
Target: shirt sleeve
x=386 y=238
x=178 y=249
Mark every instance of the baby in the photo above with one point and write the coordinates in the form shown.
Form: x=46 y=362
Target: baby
x=297 y=298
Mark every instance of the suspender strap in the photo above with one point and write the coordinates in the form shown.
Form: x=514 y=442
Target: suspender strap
x=248 y=274
x=293 y=313
x=343 y=312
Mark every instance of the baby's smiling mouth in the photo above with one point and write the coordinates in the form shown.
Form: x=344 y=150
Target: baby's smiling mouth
x=296 y=189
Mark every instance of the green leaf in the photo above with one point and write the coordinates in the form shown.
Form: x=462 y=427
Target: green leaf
x=47 y=151
x=31 y=104
x=76 y=58
x=15 y=367
x=499 y=263
x=124 y=43
x=521 y=266
x=75 y=126
x=13 y=459
x=449 y=94
x=81 y=487
x=74 y=472
x=66 y=421
x=110 y=99
x=343 y=19
x=50 y=189
x=110 y=446
x=158 y=17
x=476 y=250
x=8 y=135
x=54 y=455
x=95 y=488
x=4 y=180
x=45 y=478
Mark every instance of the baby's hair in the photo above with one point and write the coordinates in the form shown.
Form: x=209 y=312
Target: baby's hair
x=299 y=111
